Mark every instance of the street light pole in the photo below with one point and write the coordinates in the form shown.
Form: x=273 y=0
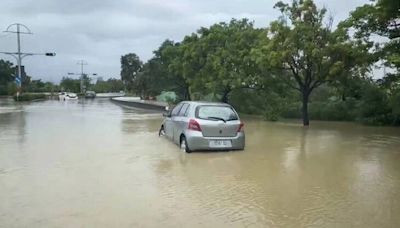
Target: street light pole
x=18 y=78
x=82 y=63
x=20 y=55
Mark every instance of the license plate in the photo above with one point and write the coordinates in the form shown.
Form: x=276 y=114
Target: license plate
x=220 y=143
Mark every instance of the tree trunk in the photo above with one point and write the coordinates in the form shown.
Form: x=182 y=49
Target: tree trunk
x=225 y=95
x=344 y=95
x=224 y=98
x=306 y=120
x=187 y=94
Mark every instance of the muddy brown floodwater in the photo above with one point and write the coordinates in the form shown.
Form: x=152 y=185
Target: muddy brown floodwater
x=95 y=164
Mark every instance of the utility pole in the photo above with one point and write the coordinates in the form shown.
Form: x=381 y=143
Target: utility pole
x=82 y=74
x=82 y=63
x=18 y=78
x=20 y=55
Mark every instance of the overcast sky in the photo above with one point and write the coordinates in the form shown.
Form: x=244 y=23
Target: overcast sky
x=100 y=31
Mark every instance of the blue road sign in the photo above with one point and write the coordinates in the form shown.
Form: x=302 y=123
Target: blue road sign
x=18 y=81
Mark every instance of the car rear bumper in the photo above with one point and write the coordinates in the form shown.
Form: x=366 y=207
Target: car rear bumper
x=196 y=141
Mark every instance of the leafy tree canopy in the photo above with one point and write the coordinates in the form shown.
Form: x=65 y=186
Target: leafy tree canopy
x=307 y=52
x=130 y=67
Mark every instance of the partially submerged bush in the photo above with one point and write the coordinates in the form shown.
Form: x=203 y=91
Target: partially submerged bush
x=395 y=104
x=275 y=106
x=30 y=97
x=374 y=108
x=333 y=110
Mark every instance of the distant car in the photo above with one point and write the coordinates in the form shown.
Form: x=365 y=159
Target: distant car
x=204 y=126
x=90 y=94
x=67 y=96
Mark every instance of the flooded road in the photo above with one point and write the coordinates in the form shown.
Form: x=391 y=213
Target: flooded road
x=95 y=164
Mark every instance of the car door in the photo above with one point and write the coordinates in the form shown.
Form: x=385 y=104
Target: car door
x=179 y=122
x=168 y=125
x=169 y=121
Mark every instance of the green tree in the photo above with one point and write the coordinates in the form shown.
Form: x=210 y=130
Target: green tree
x=111 y=85
x=382 y=18
x=70 y=84
x=39 y=86
x=116 y=85
x=6 y=77
x=306 y=50
x=218 y=59
x=100 y=86
x=130 y=67
x=380 y=103
x=35 y=86
x=155 y=76
x=171 y=56
x=374 y=108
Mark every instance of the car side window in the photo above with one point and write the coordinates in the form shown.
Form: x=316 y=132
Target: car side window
x=176 y=110
x=184 y=109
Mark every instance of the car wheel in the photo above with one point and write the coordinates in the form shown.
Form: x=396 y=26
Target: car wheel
x=161 y=132
x=184 y=145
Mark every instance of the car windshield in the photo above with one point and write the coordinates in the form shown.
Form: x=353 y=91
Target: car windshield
x=212 y=112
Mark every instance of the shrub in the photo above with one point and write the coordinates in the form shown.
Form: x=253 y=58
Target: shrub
x=275 y=105
x=374 y=107
x=395 y=106
x=292 y=111
x=333 y=110
x=248 y=101
x=330 y=110
x=8 y=89
x=30 y=97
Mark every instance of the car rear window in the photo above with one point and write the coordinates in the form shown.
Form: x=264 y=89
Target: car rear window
x=213 y=112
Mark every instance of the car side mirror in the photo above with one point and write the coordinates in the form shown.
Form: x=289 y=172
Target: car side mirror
x=166 y=114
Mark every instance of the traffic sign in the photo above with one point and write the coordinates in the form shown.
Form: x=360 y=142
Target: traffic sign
x=18 y=81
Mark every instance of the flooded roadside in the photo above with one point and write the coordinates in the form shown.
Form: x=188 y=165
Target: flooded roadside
x=95 y=164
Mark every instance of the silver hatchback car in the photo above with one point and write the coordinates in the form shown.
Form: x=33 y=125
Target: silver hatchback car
x=204 y=126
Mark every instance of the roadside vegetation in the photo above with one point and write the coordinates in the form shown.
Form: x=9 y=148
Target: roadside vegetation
x=303 y=65
x=100 y=86
x=7 y=85
x=30 y=97
x=9 y=88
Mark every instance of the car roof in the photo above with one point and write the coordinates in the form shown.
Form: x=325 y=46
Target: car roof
x=206 y=103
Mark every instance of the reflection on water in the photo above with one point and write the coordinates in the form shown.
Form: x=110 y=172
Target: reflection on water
x=95 y=164
x=12 y=124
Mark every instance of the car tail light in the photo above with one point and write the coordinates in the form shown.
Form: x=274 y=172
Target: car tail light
x=241 y=126
x=194 y=125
